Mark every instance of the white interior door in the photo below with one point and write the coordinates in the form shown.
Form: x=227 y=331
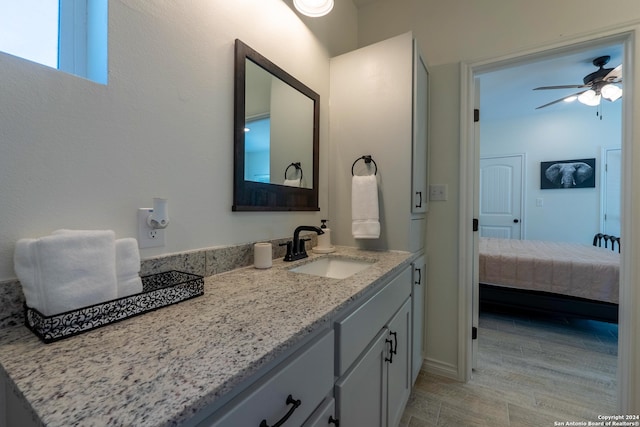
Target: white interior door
x=611 y=192
x=501 y=196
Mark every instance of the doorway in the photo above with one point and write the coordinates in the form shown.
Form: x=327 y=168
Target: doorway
x=470 y=154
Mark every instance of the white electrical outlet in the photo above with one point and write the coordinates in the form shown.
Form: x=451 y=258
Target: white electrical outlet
x=148 y=237
x=438 y=192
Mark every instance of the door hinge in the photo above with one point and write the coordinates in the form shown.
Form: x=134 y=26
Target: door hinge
x=475 y=224
x=474 y=333
x=476 y=115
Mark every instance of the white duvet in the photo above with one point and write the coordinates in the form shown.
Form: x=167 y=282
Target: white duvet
x=562 y=268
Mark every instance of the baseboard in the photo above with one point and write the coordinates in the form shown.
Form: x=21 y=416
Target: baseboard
x=440 y=368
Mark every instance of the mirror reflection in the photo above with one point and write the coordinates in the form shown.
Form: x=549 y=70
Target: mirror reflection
x=278 y=139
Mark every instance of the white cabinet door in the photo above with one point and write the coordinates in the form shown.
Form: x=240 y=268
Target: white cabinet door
x=361 y=394
x=399 y=367
x=420 y=133
x=417 y=314
x=357 y=330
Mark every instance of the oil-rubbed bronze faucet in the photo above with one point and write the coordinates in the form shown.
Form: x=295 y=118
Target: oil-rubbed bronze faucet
x=296 y=249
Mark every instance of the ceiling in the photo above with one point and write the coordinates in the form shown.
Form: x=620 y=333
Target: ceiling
x=360 y=3
x=508 y=92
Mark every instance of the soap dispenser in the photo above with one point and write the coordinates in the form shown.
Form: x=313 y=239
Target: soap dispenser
x=324 y=240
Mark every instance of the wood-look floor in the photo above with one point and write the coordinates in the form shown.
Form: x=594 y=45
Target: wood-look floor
x=532 y=371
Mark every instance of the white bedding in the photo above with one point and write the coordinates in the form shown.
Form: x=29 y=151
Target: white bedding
x=561 y=268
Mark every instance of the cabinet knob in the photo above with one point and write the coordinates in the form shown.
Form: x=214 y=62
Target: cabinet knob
x=334 y=421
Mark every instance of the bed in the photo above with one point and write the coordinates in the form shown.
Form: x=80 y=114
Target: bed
x=563 y=278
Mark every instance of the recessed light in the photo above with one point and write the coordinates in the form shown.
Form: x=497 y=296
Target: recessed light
x=313 y=8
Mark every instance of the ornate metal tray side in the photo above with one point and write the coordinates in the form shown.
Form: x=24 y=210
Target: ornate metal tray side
x=158 y=290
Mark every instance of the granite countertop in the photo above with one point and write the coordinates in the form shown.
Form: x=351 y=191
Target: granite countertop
x=160 y=368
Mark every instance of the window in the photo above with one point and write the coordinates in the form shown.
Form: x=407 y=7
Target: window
x=70 y=35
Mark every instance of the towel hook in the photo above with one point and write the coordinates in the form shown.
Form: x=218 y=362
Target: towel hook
x=367 y=159
x=295 y=165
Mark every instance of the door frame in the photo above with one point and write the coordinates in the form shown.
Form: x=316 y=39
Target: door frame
x=628 y=341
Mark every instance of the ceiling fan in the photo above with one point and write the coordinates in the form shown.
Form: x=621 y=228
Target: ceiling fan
x=597 y=85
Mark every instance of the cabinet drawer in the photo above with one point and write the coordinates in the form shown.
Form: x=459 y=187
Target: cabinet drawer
x=307 y=377
x=325 y=416
x=357 y=330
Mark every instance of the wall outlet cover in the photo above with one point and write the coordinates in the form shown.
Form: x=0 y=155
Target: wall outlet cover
x=148 y=237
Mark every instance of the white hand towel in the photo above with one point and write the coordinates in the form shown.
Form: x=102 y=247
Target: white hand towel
x=128 y=267
x=293 y=182
x=131 y=285
x=127 y=263
x=364 y=207
x=24 y=264
x=67 y=271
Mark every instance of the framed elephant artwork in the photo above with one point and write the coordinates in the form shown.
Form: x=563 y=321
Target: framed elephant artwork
x=580 y=173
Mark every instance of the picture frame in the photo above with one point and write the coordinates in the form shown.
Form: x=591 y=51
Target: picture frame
x=564 y=174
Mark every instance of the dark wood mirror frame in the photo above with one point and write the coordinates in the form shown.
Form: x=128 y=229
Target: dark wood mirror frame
x=257 y=196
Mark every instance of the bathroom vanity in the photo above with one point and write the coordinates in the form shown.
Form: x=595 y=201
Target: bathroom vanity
x=258 y=346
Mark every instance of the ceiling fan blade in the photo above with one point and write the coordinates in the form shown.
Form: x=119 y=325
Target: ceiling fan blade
x=560 y=100
x=560 y=87
x=614 y=75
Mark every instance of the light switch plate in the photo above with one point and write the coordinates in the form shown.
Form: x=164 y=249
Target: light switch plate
x=148 y=237
x=438 y=192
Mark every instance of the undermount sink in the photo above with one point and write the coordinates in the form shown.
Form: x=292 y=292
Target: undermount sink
x=333 y=267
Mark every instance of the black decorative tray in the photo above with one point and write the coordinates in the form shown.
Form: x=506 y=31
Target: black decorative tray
x=158 y=290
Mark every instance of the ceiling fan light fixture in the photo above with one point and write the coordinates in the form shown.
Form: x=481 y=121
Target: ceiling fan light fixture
x=589 y=97
x=570 y=98
x=313 y=8
x=611 y=92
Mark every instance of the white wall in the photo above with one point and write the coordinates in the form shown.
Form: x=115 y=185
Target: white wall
x=361 y=125
x=454 y=31
x=75 y=154
x=571 y=132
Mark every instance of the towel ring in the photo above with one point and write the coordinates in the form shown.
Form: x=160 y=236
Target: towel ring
x=295 y=165
x=367 y=159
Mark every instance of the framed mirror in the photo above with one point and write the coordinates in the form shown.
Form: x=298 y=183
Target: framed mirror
x=276 y=137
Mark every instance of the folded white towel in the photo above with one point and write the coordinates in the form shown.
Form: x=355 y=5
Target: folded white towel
x=67 y=271
x=293 y=182
x=131 y=285
x=128 y=267
x=127 y=257
x=364 y=207
x=127 y=263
